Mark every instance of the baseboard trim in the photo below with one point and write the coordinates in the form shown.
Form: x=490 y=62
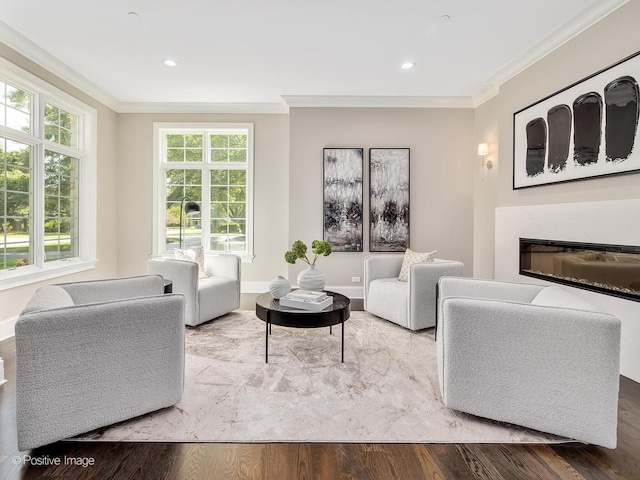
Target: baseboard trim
x=7 y=327
x=347 y=290
x=254 y=287
x=2 y=379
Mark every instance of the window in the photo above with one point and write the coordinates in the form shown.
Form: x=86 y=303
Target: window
x=211 y=165
x=47 y=190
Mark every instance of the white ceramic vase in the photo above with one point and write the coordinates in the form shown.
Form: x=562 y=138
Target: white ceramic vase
x=311 y=279
x=279 y=287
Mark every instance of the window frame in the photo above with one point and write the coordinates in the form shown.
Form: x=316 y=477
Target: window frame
x=160 y=130
x=86 y=152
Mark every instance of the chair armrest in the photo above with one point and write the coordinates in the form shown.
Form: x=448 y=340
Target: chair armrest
x=429 y=273
x=423 y=278
x=512 y=361
x=82 y=367
x=224 y=265
x=184 y=275
x=380 y=266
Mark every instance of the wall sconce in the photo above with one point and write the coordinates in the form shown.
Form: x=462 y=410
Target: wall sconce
x=483 y=151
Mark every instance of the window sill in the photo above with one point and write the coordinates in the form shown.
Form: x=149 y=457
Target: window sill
x=244 y=257
x=27 y=275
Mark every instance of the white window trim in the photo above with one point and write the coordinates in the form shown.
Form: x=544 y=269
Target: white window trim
x=87 y=186
x=159 y=129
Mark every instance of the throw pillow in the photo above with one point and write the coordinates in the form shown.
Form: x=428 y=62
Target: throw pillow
x=47 y=297
x=410 y=258
x=562 y=297
x=196 y=255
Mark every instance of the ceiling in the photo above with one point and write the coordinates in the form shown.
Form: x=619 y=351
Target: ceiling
x=291 y=52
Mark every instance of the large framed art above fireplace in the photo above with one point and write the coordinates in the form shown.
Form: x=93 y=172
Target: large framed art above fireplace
x=609 y=269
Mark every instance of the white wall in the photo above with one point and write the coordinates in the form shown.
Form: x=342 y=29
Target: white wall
x=591 y=222
x=441 y=172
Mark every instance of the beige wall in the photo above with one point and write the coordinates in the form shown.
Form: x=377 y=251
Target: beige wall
x=605 y=43
x=485 y=188
x=451 y=208
x=12 y=301
x=135 y=188
x=442 y=153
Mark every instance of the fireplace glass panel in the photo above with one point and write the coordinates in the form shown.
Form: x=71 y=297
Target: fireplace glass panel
x=610 y=269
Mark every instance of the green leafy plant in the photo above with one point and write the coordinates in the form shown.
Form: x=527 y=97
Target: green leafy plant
x=299 y=251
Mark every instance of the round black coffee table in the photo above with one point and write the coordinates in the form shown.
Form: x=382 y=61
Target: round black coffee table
x=273 y=313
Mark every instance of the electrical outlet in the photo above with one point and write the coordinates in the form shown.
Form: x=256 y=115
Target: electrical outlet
x=355 y=279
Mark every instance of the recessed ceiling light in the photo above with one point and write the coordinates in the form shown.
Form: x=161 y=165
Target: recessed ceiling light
x=133 y=15
x=407 y=65
x=444 y=18
x=170 y=63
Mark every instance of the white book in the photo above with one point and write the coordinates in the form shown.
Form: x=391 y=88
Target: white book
x=308 y=295
x=306 y=305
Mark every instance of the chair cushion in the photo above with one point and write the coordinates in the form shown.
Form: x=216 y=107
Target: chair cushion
x=562 y=297
x=216 y=296
x=411 y=257
x=388 y=298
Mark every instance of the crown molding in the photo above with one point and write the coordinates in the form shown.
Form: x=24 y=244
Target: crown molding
x=144 y=107
x=16 y=41
x=485 y=94
x=588 y=17
x=294 y=101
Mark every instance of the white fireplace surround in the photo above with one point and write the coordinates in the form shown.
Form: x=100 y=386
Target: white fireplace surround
x=611 y=222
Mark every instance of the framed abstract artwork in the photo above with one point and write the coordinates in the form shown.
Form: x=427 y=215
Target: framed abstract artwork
x=388 y=199
x=588 y=129
x=342 y=202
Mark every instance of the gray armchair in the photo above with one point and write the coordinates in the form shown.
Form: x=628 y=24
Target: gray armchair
x=205 y=298
x=541 y=357
x=411 y=304
x=91 y=354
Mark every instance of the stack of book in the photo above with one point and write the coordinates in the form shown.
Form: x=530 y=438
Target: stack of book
x=306 y=300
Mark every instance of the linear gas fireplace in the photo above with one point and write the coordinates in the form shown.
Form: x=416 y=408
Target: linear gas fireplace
x=610 y=269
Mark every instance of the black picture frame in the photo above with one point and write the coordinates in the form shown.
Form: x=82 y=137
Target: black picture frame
x=389 y=199
x=586 y=130
x=343 y=198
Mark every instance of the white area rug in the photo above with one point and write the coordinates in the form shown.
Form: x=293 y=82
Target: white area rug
x=385 y=392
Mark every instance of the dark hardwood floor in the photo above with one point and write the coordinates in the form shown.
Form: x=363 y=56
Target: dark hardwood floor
x=297 y=461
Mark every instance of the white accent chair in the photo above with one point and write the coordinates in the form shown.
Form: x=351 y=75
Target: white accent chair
x=205 y=298
x=540 y=357
x=411 y=304
x=90 y=354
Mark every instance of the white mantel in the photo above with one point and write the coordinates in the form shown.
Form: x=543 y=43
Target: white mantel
x=613 y=222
